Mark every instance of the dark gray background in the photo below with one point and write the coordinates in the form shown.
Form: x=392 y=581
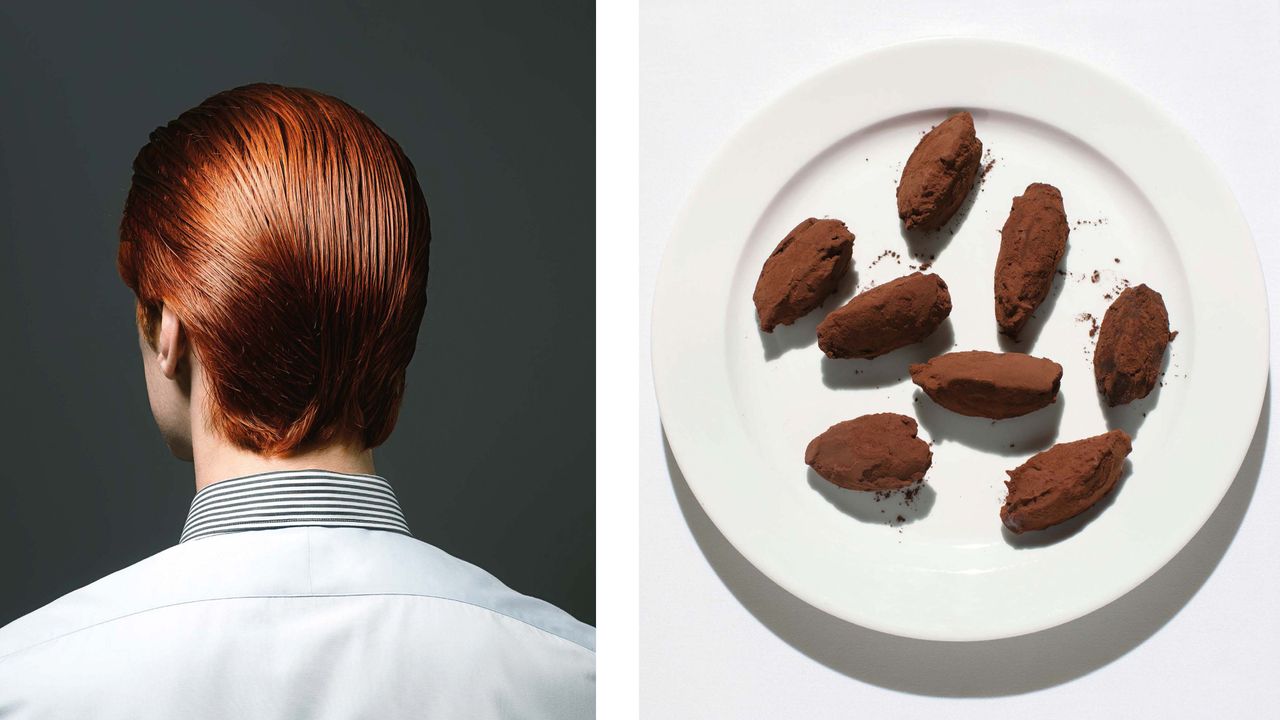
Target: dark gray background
x=493 y=456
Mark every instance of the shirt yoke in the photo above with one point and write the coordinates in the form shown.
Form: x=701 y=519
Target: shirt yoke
x=288 y=562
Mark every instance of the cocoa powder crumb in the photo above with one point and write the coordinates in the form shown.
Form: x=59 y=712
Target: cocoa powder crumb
x=1095 y=277
x=1096 y=222
x=1089 y=318
x=886 y=254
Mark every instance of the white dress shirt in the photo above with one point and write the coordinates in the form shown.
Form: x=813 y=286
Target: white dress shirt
x=297 y=595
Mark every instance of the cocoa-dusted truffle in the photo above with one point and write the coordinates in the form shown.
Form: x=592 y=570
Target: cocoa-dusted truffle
x=1063 y=481
x=990 y=385
x=1131 y=345
x=802 y=271
x=899 y=313
x=1032 y=243
x=872 y=452
x=939 y=174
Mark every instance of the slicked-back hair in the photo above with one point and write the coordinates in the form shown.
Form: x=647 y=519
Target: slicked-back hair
x=289 y=235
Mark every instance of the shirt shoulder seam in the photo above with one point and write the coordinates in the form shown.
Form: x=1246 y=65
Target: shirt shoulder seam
x=499 y=613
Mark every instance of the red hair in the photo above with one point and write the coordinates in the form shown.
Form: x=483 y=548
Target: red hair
x=289 y=235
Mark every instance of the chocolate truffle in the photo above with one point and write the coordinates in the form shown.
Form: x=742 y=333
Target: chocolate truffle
x=899 y=313
x=1063 y=481
x=990 y=385
x=872 y=452
x=802 y=271
x=1131 y=345
x=1032 y=243
x=939 y=174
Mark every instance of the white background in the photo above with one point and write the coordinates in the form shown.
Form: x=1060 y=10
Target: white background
x=1200 y=639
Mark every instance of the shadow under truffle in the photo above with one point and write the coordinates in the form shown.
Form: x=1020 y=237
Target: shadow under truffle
x=890 y=368
x=1068 y=528
x=896 y=507
x=930 y=243
x=1130 y=416
x=804 y=331
x=1035 y=324
x=1032 y=432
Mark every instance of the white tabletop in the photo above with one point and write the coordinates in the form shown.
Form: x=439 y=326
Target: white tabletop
x=1199 y=639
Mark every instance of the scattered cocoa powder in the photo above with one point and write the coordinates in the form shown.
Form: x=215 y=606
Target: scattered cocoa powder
x=1095 y=222
x=1089 y=318
x=883 y=255
x=909 y=495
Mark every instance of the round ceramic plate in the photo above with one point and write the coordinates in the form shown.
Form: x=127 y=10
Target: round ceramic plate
x=739 y=406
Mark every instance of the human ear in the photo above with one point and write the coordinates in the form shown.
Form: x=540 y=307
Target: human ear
x=171 y=343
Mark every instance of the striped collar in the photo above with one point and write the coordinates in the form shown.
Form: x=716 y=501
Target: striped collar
x=294 y=498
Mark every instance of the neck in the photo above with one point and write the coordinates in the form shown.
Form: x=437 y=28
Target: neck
x=216 y=460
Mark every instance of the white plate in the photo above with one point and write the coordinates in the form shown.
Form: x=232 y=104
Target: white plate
x=738 y=406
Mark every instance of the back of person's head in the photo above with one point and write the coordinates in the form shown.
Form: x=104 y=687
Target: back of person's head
x=289 y=235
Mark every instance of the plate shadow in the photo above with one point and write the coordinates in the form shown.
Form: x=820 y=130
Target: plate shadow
x=991 y=668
